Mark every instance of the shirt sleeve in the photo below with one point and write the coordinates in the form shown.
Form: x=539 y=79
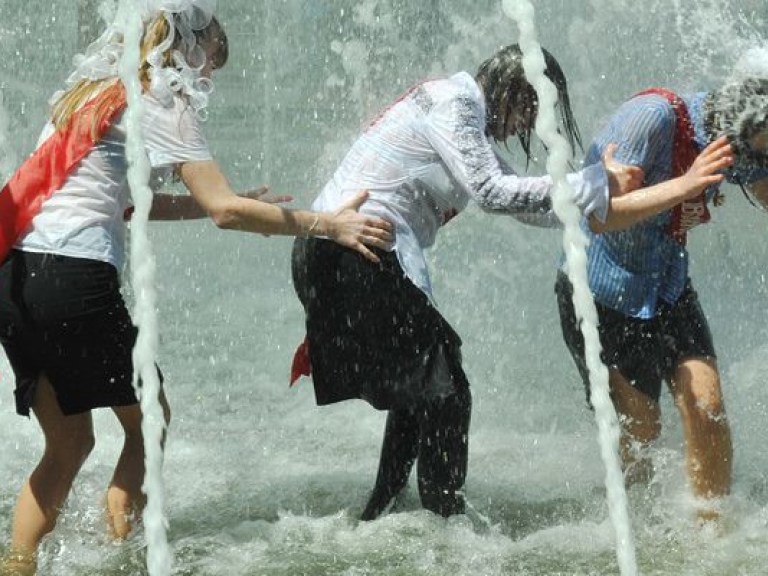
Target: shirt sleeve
x=583 y=184
x=456 y=130
x=172 y=135
x=643 y=129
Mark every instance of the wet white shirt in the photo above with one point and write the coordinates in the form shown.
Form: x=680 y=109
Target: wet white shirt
x=427 y=155
x=85 y=217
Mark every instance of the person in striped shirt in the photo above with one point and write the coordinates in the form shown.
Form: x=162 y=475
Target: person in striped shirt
x=652 y=327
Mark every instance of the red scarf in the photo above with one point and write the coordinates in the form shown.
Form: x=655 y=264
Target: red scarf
x=694 y=211
x=301 y=366
x=48 y=167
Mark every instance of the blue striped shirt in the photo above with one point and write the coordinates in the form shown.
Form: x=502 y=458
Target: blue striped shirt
x=633 y=270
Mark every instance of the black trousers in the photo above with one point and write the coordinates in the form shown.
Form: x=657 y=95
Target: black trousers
x=374 y=335
x=437 y=435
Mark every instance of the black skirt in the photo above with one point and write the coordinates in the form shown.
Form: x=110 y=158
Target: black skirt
x=372 y=333
x=65 y=317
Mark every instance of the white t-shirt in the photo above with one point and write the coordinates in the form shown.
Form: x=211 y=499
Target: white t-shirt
x=427 y=155
x=85 y=217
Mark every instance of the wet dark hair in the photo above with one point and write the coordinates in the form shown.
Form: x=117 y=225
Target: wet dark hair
x=739 y=110
x=506 y=89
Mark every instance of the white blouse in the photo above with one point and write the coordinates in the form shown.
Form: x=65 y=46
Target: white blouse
x=85 y=217
x=427 y=155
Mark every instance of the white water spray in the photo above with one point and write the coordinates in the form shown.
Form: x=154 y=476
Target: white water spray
x=574 y=243
x=159 y=558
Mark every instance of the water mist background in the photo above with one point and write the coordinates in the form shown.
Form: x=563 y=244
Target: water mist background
x=259 y=480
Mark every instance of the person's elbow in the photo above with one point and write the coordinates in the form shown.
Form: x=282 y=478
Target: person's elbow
x=224 y=216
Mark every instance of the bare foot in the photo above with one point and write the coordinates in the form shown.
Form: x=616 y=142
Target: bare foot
x=121 y=513
x=711 y=521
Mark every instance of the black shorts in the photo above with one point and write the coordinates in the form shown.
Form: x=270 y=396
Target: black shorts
x=372 y=333
x=644 y=351
x=65 y=318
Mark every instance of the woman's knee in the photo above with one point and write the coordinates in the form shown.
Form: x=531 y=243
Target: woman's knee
x=711 y=406
x=697 y=388
x=701 y=402
x=69 y=452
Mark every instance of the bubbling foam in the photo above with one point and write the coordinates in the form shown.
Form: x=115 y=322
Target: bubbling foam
x=574 y=243
x=159 y=558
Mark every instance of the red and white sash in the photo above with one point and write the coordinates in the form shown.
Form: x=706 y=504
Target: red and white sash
x=47 y=168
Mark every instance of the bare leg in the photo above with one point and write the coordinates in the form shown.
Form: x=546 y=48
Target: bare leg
x=125 y=500
x=398 y=452
x=640 y=425
x=709 y=453
x=68 y=441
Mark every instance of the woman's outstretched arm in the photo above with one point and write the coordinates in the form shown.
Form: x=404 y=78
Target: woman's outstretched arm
x=212 y=192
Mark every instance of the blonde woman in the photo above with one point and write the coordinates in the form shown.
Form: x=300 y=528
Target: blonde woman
x=63 y=323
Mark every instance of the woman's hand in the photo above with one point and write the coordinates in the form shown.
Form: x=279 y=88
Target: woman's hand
x=705 y=170
x=622 y=178
x=358 y=231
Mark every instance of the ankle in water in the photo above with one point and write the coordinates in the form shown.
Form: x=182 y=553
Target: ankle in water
x=710 y=515
x=377 y=506
x=18 y=563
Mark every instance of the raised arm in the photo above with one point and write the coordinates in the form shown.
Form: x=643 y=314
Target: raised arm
x=627 y=209
x=456 y=130
x=602 y=192
x=212 y=192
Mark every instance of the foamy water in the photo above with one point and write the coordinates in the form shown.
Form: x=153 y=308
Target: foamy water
x=259 y=481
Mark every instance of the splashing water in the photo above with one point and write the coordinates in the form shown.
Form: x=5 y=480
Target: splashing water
x=159 y=558
x=258 y=480
x=574 y=243
x=753 y=63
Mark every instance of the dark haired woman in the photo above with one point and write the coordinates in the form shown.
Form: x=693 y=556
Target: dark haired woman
x=373 y=331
